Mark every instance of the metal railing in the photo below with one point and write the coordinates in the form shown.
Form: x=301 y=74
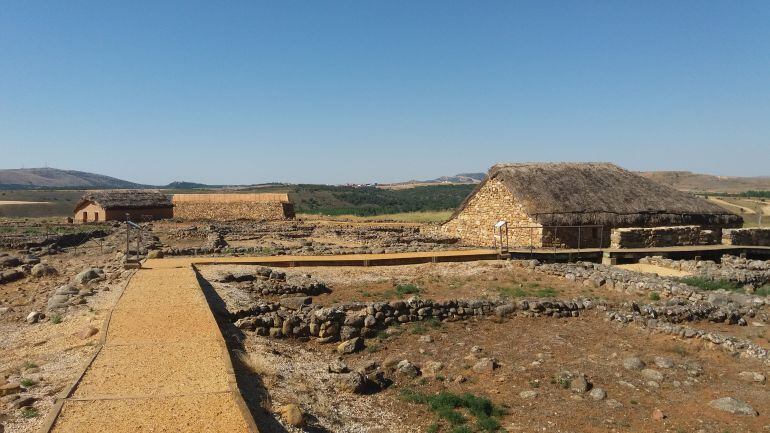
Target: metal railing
x=574 y=237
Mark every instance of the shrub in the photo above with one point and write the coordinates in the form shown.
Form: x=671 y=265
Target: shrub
x=654 y=296
x=707 y=284
x=763 y=291
x=446 y=404
x=29 y=412
x=407 y=289
x=27 y=383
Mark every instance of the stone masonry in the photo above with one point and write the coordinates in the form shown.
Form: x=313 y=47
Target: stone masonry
x=645 y=237
x=474 y=225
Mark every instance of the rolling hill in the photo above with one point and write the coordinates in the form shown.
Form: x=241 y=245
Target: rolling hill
x=696 y=182
x=54 y=178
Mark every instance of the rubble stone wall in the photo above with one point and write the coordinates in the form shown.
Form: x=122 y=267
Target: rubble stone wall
x=645 y=237
x=262 y=211
x=752 y=236
x=474 y=225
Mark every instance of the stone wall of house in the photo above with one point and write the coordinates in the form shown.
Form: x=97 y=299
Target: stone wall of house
x=576 y=237
x=646 y=237
x=493 y=203
x=748 y=236
x=234 y=211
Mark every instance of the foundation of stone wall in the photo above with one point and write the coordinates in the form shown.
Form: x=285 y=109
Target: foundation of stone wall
x=647 y=237
x=748 y=236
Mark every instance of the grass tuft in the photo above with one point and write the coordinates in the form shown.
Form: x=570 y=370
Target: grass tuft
x=447 y=406
x=707 y=284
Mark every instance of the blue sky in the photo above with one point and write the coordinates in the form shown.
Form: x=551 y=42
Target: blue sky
x=361 y=91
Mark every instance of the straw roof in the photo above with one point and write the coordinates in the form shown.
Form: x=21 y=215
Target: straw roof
x=127 y=199
x=601 y=193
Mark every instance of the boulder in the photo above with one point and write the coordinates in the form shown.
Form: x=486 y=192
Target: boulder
x=664 y=362
x=351 y=346
x=338 y=367
x=598 y=394
x=733 y=406
x=295 y=302
x=752 y=376
x=579 y=384
x=353 y=382
x=651 y=374
x=633 y=363
x=529 y=394
x=10 y=388
x=34 y=317
x=89 y=275
x=293 y=415
x=407 y=368
x=485 y=365
x=42 y=270
x=87 y=332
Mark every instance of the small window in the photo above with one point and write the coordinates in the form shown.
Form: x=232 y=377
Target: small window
x=85 y=216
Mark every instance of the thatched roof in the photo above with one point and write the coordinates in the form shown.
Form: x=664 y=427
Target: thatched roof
x=601 y=193
x=127 y=199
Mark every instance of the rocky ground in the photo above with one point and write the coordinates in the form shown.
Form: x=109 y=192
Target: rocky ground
x=549 y=347
x=448 y=347
x=50 y=319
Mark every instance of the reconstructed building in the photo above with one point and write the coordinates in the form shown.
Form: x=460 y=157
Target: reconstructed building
x=223 y=207
x=575 y=204
x=113 y=205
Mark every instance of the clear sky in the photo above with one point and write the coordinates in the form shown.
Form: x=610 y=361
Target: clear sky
x=361 y=91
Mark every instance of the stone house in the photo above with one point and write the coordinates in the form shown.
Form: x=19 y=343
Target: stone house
x=566 y=205
x=227 y=207
x=113 y=205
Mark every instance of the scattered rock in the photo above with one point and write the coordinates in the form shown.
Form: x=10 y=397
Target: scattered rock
x=89 y=275
x=733 y=406
x=598 y=394
x=87 y=332
x=752 y=376
x=338 y=367
x=295 y=302
x=293 y=415
x=431 y=368
x=614 y=404
x=426 y=339
x=658 y=415
x=633 y=363
x=155 y=254
x=351 y=346
x=651 y=374
x=528 y=394
x=485 y=365
x=353 y=382
x=407 y=368
x=9 y=388
x=579 y=384
x=664 y=362
x=34 y=317
x=42 y=270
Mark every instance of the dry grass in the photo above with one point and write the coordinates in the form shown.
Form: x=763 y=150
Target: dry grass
x=406 y=217
x=257 y=364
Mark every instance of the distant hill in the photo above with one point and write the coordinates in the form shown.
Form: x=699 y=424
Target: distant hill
x=695 y=182
x=459 y=178
x=37 y=178
x=188 y=185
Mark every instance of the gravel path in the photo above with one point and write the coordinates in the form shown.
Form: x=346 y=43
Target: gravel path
x=163 y=366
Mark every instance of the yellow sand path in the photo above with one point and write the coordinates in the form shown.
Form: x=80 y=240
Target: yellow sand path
x=163 y=366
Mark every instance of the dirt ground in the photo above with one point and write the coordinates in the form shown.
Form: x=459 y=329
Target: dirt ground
x=532 y=352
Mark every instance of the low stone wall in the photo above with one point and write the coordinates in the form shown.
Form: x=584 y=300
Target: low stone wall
x=646 y=237
x=234 y=211
x=748 y=236
x=295 y=317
